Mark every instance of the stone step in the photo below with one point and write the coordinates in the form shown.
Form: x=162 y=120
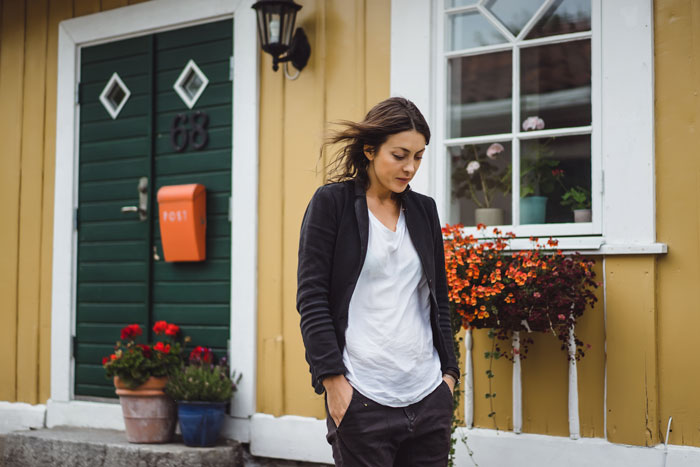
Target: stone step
x=86 y=447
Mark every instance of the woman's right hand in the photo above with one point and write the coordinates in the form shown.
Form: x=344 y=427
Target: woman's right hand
x=339 y=394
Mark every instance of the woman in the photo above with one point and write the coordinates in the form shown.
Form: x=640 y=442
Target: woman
x=372 y=295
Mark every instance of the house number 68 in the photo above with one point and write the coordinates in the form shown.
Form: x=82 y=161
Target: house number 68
x=181 y=137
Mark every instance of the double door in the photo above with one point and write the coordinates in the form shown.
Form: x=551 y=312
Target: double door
x=154 y=111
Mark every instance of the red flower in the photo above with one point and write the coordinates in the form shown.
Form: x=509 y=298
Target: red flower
x=172 y=330
x=160 y=347
x=131 y=331
x=146 y=350
x=105 y=360
x=201 y=354
x=160 y=327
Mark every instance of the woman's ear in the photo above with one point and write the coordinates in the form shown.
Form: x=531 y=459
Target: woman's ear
x=369 y=151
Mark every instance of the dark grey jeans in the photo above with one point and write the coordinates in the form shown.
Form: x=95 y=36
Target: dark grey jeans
x=375 y=435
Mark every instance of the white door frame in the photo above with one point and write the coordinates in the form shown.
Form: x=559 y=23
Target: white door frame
x=122 y=23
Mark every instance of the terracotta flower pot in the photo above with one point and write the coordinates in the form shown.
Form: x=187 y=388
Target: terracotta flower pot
x=149 y=413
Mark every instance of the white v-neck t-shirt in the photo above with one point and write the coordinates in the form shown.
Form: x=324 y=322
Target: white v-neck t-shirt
x=389 y=353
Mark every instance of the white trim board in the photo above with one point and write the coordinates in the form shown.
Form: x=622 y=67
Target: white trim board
x=303 y=438
x=20 y=416
x=623 y=112
x=147 y=18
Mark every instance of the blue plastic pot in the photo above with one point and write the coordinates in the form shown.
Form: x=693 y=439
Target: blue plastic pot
x=200 y=422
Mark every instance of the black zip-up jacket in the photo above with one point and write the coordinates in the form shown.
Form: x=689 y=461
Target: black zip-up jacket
x=332 y=250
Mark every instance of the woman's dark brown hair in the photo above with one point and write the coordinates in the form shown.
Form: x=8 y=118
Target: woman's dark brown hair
x=387 y=118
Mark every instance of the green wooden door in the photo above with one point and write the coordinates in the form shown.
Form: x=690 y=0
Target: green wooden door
x=138 y=134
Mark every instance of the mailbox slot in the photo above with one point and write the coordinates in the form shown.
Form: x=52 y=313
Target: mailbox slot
x=183 y=222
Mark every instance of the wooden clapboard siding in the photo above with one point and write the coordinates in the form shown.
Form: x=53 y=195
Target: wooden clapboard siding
x=86 y=7
x=30 y=201
x=58 y=11
x=11 y=93
x=677 y=87
x=591 y=369
x=631 y=340
x=270 y=361
x=111 y=4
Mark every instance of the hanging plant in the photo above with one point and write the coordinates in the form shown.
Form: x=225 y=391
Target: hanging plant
x=493 y=287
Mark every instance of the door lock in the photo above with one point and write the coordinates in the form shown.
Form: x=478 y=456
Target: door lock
x=142 y=208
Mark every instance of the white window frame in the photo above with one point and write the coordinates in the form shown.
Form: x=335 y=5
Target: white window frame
x=622 y=141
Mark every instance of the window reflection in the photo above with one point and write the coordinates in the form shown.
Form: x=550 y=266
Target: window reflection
x=514 y=13
x=472 y=29
x=563 y=17
x=555 y=83
x=481 y=87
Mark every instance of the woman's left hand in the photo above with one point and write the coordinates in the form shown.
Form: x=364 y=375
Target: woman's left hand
x=450 y=382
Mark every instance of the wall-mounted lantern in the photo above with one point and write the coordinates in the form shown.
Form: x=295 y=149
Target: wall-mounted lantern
x=276 y=20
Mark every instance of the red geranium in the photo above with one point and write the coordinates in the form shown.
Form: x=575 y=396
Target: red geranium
x=160 y=327
x=134 y=363
x=131 y=331
x=146 y=350
x=160 y=347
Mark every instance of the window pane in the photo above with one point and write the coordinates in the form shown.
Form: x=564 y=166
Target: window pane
x=555 y=82
x=459 y=3
x=549 y=168
x=514 y=13
x=564 y=16
x=472 y=29
x=480 y=90
x=481 y=181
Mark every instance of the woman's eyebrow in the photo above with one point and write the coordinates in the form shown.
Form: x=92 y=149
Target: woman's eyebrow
x=406 y=150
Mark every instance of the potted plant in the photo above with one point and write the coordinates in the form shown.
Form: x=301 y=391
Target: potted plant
x=140 y=373
x=579 y=199
x=201 y=389
x=476 y=176
x=539 y=175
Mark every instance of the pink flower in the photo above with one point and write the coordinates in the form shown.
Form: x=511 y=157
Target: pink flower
x=533 y=123
x=536 y=295
x=561 y=316
x=472 y=167
x=494 y=150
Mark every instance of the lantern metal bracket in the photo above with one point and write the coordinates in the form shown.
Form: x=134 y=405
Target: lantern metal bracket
x=298 y=54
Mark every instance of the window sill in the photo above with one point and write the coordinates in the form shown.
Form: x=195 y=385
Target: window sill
x=595 y=246
x=590 y=245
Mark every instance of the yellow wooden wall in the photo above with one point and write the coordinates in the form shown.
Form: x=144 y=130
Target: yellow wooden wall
x=677 y=87
x=28 y=44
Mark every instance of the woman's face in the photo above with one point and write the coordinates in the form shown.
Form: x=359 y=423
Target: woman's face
x=396 y=162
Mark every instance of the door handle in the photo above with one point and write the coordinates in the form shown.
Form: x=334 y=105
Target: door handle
x=142 y=208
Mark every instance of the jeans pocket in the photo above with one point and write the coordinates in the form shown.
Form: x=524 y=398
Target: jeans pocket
x=347 y=410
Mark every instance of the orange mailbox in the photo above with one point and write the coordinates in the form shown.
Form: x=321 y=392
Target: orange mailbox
x=183 y=222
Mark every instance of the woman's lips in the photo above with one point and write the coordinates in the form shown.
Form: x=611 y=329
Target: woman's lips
x=404 y=180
